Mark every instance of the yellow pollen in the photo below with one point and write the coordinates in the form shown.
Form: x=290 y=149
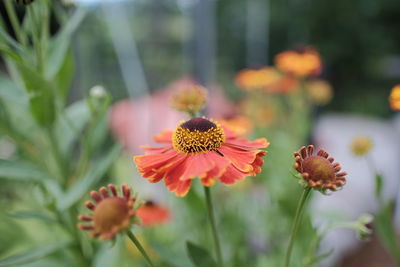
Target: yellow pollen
x=198 y=135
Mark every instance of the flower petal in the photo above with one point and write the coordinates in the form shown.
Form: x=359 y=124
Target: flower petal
x=232 y=175
x=164 y=137
x=242 y=159
x=244 y=144
x=150 y=165
x=197 y=165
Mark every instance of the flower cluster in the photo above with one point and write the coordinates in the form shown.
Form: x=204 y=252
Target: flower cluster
x=294 y=70
x=301 y=62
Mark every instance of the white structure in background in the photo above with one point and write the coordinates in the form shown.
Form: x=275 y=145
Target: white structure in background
x=334 y=133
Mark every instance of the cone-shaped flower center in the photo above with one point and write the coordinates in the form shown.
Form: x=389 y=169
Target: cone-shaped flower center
x=319 y=169
x=198 y=135
x=110 y=213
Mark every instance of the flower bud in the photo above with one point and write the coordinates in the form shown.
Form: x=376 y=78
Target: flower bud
x=361 y=145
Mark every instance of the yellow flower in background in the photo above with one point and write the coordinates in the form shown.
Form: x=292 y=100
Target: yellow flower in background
x=394 y=98
x=361 y=145
x=191 y=98
x=300 y=63
x=320 y=92
x=251 y=79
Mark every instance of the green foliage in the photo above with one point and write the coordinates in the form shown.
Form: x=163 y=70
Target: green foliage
x=199 y=256
x=34 y=254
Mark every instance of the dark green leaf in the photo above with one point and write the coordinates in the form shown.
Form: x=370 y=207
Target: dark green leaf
x=34 y=254
x=64 y=77
x=386 y=231
x=94 y=174
x=41 y=99
x=199 y=256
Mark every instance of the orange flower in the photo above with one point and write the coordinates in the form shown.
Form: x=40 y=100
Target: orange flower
x=285 y=84
x=319 y=91
x=111 y=214
x=200 y=148
x=301 y=62
x=239 y=124
x=318 y=171
x=250 y=79
x=152 y=214
x=394 y=98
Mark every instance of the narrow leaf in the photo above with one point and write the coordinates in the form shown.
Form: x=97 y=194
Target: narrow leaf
x=31 y=215
x=199 y=256
x=34 y=254
x=60 y=45
x=21 y=170
x=95 y=173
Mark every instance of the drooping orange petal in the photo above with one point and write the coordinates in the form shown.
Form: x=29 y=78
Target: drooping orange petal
x=258 y=162
x=148 y=165
x=164 y=137
x=242 y=159
x=220 y=165
x=197 y=165
x=232 y=175
x=183 y=188
x=244 y=144
x=208 y=181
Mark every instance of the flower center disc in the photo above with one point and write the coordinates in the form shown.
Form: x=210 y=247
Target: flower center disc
x=110 y=212
x=198 y=135
x=319 y=169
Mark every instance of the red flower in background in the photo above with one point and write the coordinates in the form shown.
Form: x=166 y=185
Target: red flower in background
x=152 y=214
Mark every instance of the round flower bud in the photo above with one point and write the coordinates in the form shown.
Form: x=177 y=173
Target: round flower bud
x=189 y=99
x=361 y=145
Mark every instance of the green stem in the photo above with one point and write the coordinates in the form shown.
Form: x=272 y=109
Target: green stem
x=63 y=172
x=135 y=241
x=14 y=21
x=296 y=223
x=211 y=218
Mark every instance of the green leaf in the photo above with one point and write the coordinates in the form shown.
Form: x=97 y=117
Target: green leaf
x=70 y=125
x=41 y=99
x=63 y=78
x=21 y=170
x=34 y=254
x=31 y=215
x=320 y=258
x=386 y=231
x=9 y=91
x=58 y=50
x=378 y=186
x=199 y=256
x=94 y=174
